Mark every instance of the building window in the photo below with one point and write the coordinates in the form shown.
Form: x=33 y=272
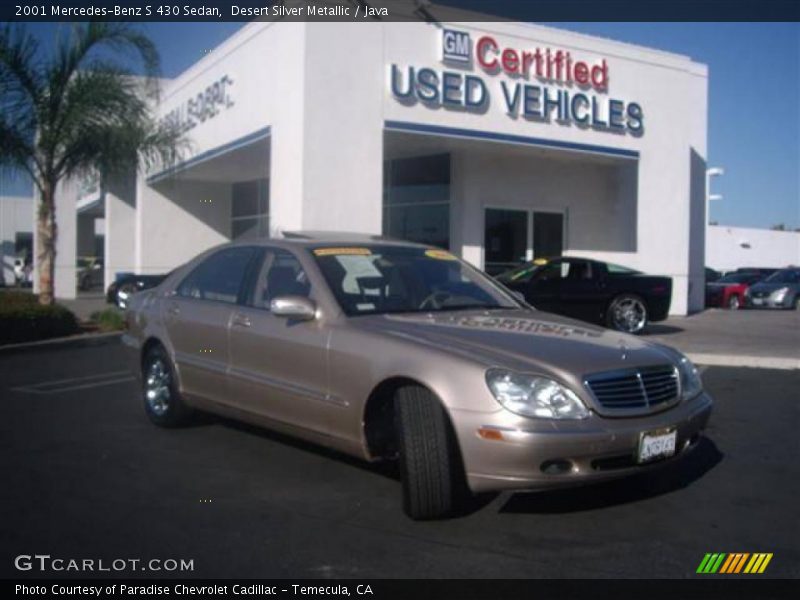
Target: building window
x=250 y=209
x=416 y=199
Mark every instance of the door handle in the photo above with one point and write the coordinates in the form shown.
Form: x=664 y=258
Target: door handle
x=173 y=310
x=240 y=320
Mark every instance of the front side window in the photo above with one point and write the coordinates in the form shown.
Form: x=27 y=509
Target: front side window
x=219 y=277
x=395 y=279
x=281 y=275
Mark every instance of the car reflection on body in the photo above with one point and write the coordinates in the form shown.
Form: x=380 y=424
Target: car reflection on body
x=392 y=350
x=779 y=290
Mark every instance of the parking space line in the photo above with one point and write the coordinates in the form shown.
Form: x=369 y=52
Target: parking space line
x=76 y=383
x=55 y=382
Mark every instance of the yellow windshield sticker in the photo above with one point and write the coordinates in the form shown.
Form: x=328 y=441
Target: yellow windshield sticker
x=439 y=255
x=342 y=251
x=540 y=261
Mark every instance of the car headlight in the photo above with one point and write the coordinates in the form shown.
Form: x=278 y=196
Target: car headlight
x=532 y=396
x=779 y=295
x=691 y=385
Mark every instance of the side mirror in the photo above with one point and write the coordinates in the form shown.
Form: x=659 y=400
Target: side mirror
x=294 y=307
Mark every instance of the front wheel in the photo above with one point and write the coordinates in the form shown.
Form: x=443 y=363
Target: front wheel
x=627 y=313
x=162 y=400
x=430 y=465
x=734 y=303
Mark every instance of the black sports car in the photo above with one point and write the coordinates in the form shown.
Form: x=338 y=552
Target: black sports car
x=590 y=290
x=126 y=285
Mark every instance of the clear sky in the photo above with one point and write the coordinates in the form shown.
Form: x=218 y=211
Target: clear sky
x=753 y=113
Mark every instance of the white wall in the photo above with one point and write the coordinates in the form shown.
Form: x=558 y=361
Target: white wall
x=731 y=247
x=343 y=128
x=120 y=228
x=177 y=220
x=600 y=213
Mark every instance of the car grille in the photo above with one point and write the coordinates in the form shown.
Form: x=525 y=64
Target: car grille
x=634 y=390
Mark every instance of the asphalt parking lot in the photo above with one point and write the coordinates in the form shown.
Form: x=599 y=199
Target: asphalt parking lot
x=86 y=476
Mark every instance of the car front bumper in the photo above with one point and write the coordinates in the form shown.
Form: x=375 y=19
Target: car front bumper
x=768 y=302
x=595 y=449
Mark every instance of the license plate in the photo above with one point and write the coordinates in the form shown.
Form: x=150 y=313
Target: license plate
x=657 y=444
x=757 y=301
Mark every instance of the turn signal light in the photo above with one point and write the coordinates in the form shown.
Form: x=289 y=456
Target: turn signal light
x=490 y=434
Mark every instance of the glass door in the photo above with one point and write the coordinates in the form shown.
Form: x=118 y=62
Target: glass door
x=548 y=234
x=506 y=239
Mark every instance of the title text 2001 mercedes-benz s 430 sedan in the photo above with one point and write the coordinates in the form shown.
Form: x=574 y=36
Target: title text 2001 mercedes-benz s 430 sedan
x=387 y=349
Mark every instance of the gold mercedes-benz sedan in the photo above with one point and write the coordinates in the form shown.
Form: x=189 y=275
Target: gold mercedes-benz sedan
x=391 y=350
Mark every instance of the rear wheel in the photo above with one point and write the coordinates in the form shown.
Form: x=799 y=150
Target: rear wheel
x=430 y=465
x=627 y=313
x=734 y=303
x=162 y=400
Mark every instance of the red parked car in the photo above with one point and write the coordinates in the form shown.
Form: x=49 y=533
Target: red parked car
x=728 y=290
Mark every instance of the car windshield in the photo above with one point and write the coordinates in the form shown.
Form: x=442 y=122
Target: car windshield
x=377 y=279
x=785 y=276
x=522 y=273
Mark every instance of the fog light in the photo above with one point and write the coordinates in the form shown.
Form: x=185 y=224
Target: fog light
x=556 y=467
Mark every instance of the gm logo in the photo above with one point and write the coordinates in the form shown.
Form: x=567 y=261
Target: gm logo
x=456 y=46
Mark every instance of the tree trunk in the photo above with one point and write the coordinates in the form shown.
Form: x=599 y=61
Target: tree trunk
x=47 y=232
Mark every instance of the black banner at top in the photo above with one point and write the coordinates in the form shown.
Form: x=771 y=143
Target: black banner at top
x=400 y=10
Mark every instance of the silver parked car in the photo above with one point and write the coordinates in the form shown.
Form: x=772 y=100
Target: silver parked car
x=392 y=350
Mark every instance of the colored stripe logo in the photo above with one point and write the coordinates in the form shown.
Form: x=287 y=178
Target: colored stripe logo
x=734 y=563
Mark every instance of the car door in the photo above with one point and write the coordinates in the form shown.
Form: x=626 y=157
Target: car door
x=197 y=317
x=543 y=288
x=581 y=292
x=279 y=366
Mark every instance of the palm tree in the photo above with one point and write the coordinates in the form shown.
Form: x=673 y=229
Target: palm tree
x=80 y=112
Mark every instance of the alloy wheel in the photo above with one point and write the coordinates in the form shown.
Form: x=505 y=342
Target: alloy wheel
x=157 y=387
x=629 y=315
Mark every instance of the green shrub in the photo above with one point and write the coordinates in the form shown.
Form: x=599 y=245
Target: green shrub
x=17 y=298
x=23 y=320
x=110 y=319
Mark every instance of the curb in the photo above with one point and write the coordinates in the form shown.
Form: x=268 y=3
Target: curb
x=73 y=341
x=740 y=360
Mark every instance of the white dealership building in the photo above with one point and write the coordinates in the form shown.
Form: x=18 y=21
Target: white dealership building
x=498 y=140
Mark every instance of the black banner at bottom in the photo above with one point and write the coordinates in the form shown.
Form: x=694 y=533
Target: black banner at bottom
x=412 y=589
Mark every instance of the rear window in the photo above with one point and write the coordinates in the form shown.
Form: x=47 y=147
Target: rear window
x=614 y=269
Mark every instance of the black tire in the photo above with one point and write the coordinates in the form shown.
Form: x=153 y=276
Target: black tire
x=617 y=322
x=170 y=410
x=430 y=463
x=734 y=302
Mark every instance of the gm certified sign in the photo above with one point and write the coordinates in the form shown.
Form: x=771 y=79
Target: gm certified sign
x=456 y=46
